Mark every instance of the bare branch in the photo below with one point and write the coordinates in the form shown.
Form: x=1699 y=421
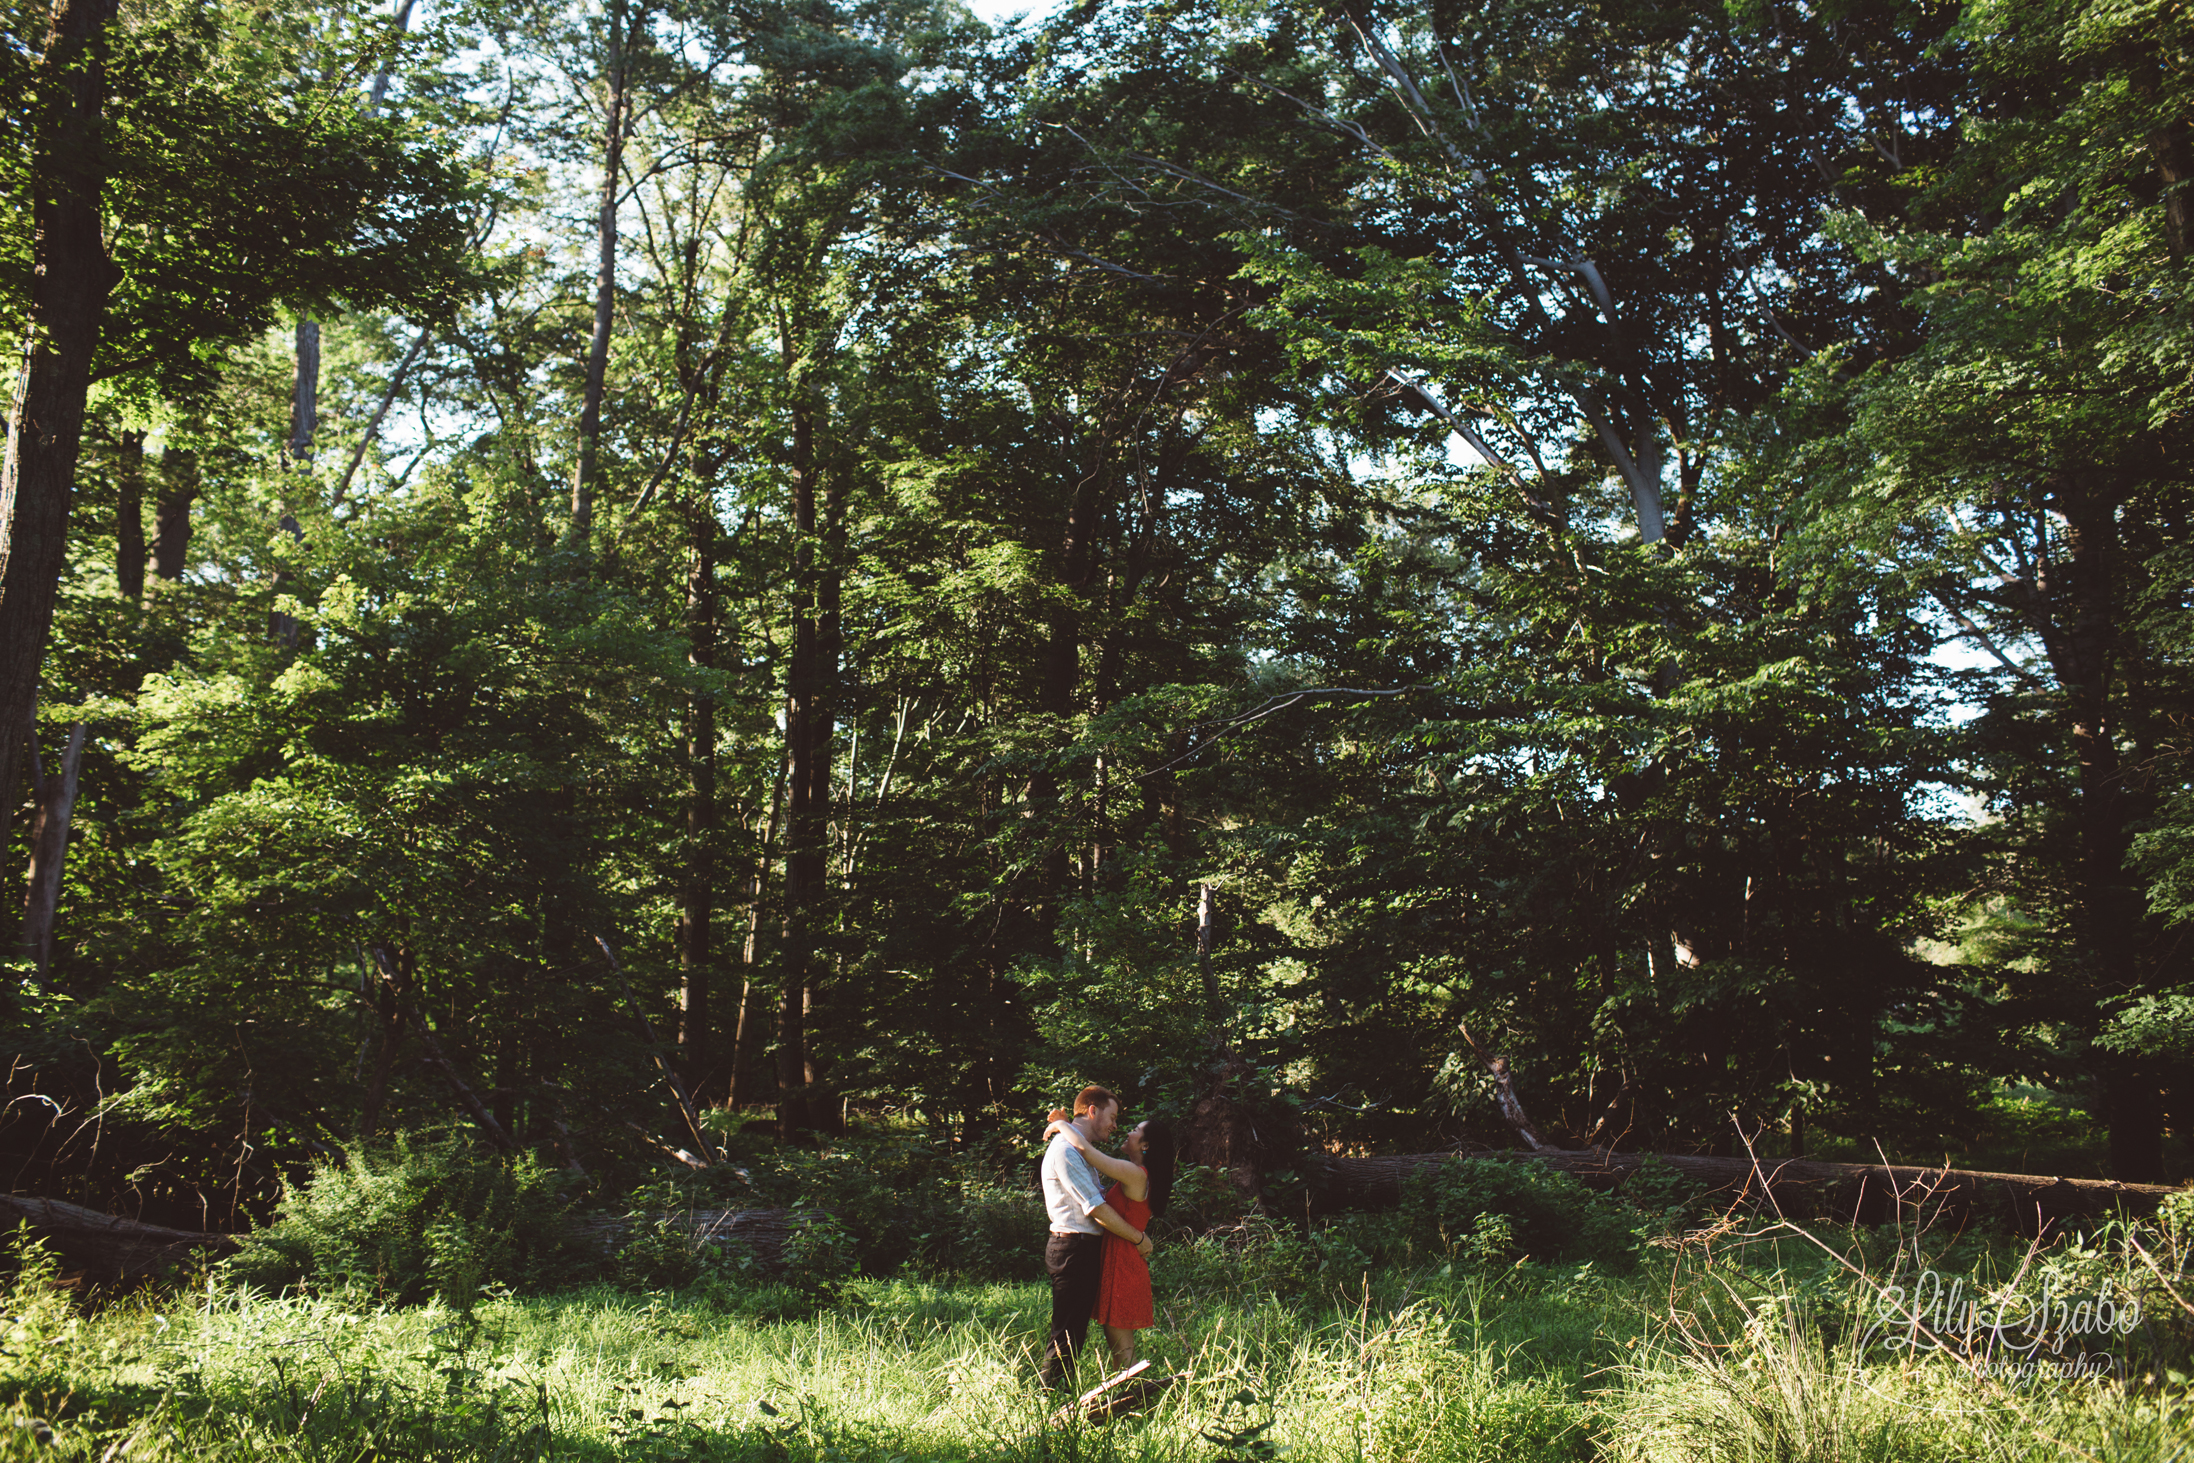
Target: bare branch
x=388 y=399
x=438 y=1059
x=1981 y=638
x=1461 y=88
x=1269 y=707
x=1645 y=495
x=1539 y=507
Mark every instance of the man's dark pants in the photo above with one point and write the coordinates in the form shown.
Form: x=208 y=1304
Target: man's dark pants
x=1075 y=1263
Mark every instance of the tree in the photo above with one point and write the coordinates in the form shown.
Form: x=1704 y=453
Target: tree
x=174 y=202
x=2027 y=467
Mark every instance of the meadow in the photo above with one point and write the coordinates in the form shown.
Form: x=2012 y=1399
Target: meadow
x=1750 y=1344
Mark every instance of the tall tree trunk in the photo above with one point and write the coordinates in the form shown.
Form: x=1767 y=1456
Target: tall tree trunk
x=129 y=518
x=1063 y=675
x=283 y=629
x=2170 y=146
x=829 y=628
x=749 y=1075
x=2108 y=915
x=49 y=846
x=695 y=956
x=304 y=423
x=304 y=409
x=389 y=1014
x=1207 y=934
x=171 y=513
x=398 y=23
x=811 y=678
x=605 y=276
x=71 y=277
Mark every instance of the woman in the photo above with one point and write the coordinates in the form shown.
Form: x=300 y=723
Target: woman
x=1142 y=1182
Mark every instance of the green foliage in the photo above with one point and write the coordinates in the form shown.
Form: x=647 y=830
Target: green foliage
x=428 y=1218
x=41 y=1319
x=1480 y=1207
x=819 y=1253
x=987 y=1228
x=1665 y=1196
x=660 y=1248
x=1065 y=432
x=891 y=1197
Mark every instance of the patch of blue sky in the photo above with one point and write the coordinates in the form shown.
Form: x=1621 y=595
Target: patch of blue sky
x=999 y=13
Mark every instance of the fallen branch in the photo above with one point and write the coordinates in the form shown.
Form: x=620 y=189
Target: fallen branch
x=1129 y=1390
x=662 y=1062
x=664 y=1148
x=1504 y=1092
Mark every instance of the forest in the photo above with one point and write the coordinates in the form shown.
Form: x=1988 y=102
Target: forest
x=571 y=568
x=633 y=632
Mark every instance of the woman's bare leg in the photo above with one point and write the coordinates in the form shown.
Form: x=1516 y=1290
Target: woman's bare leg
x=1122 y=1342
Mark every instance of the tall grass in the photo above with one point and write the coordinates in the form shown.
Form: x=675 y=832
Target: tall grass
x=1410 y=1366
x=1728 y=1357
x=1778 y=1353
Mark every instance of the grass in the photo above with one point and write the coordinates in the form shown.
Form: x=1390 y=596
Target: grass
x=1729 y=1357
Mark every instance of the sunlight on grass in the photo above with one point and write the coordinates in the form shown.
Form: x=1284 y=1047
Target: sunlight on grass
x=1522 y=1363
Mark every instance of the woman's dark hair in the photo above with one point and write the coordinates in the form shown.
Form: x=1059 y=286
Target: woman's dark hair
x=1158 y=1159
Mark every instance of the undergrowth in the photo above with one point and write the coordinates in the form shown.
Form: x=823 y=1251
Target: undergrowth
x=424 y=1306
x=1736 y=1346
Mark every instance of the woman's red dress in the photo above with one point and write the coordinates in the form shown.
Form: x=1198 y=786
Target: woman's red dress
x=1123 y=1289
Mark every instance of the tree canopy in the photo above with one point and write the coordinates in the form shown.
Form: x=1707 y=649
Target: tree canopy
x=827 y=555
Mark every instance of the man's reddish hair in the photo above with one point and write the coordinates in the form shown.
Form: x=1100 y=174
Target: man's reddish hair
x=1089 y=1099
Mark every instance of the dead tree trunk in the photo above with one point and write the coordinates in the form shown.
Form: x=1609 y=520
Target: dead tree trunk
x=397 y=975
x=686 y=1110
x=106 y=1244
x=762 y=1233
x=1504 y=1093
x=49 y=846
x=809 y=724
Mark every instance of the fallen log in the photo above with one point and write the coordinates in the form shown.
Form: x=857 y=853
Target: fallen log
x=107 y=1245
x=1792 y=1188
x=111 y=1247
x=762 y=1233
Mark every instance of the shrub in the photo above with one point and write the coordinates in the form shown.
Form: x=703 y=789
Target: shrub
x=421 y=1219
x=39 y=1319
x=1255 y=1255
x=819 y=1254
x=1668 y=1199
x=1550 y=1216
x=984 y=1228
x=662 y=1252
x=1352 y=1245
x=891 y=1197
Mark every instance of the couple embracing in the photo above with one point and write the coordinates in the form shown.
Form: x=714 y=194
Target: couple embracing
x=1098 y=1256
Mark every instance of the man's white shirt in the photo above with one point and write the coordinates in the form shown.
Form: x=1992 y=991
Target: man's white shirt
x=1071 y=1190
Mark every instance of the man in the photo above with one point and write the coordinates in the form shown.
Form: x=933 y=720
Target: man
x=1074 y=1256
